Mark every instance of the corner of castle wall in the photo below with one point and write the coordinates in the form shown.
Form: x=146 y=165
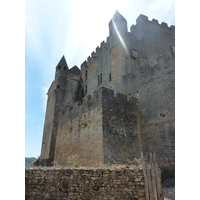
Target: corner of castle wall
x=84 y=64
x=133 y=100
x=172 y=28
x=141 y=19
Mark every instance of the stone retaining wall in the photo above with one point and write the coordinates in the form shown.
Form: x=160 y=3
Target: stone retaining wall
x=82 y=183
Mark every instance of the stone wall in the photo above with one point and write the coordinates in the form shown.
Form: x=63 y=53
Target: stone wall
x=48 y=125
x=156 y=96
x=79 y=132
x=121 y=139
x=65 y=183
x=98 y=63
x=107 y=126
x=151 y=39
x=102 y=129
x=58 y=100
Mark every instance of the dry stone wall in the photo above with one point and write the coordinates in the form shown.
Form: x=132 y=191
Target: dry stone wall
x=81 y=183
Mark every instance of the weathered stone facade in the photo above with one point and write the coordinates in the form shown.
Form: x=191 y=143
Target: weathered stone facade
x=120 y=103
x=65 y=183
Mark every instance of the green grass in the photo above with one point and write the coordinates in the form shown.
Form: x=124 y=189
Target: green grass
x=76 y=163
x=75 y=160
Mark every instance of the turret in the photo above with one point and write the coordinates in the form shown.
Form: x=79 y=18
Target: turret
x=119 y=50
x=118 y=30
x=61 y=74
x=117 y=24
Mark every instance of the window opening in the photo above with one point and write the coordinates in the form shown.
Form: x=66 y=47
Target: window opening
x=100 y=78
x=110 y=78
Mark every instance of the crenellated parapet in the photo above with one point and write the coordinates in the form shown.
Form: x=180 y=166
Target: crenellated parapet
x=95 y=54
x=120 y=103
x=97 y=98
x=142 y=19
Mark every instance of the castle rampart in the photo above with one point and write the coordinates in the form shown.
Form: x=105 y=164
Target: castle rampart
x=122 y=101
x=84 y=129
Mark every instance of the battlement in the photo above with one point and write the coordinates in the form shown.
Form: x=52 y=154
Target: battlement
x=95 y=54
x=106 y=126
x=142 y=19
x=98 y=95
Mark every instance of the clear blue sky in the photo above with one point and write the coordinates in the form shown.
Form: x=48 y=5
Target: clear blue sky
x=74 y=29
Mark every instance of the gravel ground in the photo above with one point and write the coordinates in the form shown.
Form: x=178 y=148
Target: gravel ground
x=169 y=189
x=169 y=193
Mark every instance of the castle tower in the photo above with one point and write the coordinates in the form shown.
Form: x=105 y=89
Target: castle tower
x=118 y=30
x=56 y=96
x=62 y=93
x=61 y=74
x=119 y=50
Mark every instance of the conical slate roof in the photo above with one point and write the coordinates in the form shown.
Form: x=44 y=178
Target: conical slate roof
x=63 y=62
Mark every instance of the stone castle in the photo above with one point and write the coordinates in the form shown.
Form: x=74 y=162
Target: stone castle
x=120 y=103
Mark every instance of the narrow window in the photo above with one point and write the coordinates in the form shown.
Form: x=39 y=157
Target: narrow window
x=59 y=67
x=65 y=67
x=85 y=89
x=86 y=75
x=110 y=78
x=100 y=78
x=58 y=86
x=134 y=53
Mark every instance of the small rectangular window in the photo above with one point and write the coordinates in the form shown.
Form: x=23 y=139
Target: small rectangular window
x=110 y=78
x=86 y=75
x=85 y=89
x=100 y=79
x=58 y=86
x=134 y=53
x=65 y=67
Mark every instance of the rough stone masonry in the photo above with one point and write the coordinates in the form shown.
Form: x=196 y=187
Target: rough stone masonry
x=64 y=183
x=120 y=103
